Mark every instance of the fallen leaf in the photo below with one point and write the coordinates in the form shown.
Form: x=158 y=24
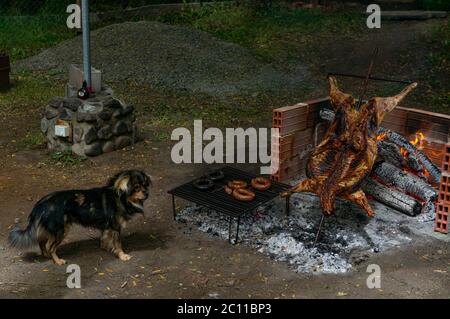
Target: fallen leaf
x=440 y=271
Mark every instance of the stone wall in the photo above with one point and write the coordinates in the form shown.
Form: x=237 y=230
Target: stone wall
x=98 y=125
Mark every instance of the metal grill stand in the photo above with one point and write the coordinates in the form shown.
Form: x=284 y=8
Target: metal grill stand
x=218 y=200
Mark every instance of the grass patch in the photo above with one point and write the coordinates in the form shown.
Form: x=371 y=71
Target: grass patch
x=438 y=62
x=67 y=158
x=29 y=92
x=160 y=111
x=24 y=36
x=274 y=31
x=32 y=140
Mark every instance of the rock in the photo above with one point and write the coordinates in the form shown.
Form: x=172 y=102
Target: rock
x=77 y=134
x=72 y=103
x=90 y=136
x=56 y=102
x=105 y=115
x=94 y=149
x=113 y=104
x=109 y=147
x=120 y=128
x=127 y=110
x=105 y=132
x=50 y=113
x=86 y=117
x=122 y=141
x=78 y=149
x=123 y=111
x=64 y=115
x=90 y=107
x=44 y=125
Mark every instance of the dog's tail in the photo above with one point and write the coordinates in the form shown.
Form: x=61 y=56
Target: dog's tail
x=23 y=238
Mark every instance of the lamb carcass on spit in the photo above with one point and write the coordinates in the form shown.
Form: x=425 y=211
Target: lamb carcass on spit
x=345 y=157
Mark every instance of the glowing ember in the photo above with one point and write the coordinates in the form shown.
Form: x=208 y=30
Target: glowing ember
x=404 y=152
x=381 y=137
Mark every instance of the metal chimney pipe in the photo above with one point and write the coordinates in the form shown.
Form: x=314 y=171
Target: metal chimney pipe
x=86 y=43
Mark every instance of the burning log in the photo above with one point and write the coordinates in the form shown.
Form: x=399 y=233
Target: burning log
x=392 y=198
x=411 y=149
x=415 y=158
x=391 y=153
x=404 y=181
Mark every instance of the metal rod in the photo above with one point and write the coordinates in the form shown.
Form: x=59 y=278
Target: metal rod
x=174 y=209
x=86 y=43
x=229 y=230
x=237 y=230
x=319 y=230
x=370 y=78
x=287 y=205
x=368 y=75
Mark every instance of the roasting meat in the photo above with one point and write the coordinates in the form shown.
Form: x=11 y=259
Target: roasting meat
x=345 y=157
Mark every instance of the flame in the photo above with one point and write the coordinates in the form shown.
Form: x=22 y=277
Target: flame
x=418 y=140
x=381 y=137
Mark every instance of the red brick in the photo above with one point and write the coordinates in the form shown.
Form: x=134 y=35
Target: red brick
x=442 y=218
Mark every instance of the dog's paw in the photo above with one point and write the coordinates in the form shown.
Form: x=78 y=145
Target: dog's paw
x=124 y=257
x=59 y=262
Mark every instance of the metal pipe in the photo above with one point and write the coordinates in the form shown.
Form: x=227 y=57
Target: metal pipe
x=370 y=78
x=86 y=43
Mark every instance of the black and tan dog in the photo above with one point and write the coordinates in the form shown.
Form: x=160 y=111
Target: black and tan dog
x=106 y=208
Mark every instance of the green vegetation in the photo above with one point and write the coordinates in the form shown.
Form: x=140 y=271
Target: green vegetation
x=272 y=32
x=434 y=4
x=29 y=93
x=438 y=61
x=31 y=140
x=22 y=37
x=67 y=158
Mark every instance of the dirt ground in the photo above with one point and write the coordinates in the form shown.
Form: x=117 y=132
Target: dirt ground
x=170 y=260
x=173 y=260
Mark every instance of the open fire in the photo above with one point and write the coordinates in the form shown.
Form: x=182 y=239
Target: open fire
x=410 y=147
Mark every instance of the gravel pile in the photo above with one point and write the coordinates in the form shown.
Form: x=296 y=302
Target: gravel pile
x=348 y=238
x=174 y=57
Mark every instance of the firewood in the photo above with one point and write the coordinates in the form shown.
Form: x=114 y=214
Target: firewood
x=392 y=198
x=411 y=149
x=416 y=157
x=407 y=182
x=390 y=152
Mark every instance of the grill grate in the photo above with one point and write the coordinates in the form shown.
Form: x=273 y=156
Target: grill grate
x=217 y=199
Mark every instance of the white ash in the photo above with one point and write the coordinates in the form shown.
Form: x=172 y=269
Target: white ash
x=348 y=238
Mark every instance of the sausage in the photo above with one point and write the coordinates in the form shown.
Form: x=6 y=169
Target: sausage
x=244 y=195
x=237 y=183
x=261 y=183
x=228 y=190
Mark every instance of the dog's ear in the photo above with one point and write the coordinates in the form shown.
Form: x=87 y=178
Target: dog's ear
x=121 y=184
